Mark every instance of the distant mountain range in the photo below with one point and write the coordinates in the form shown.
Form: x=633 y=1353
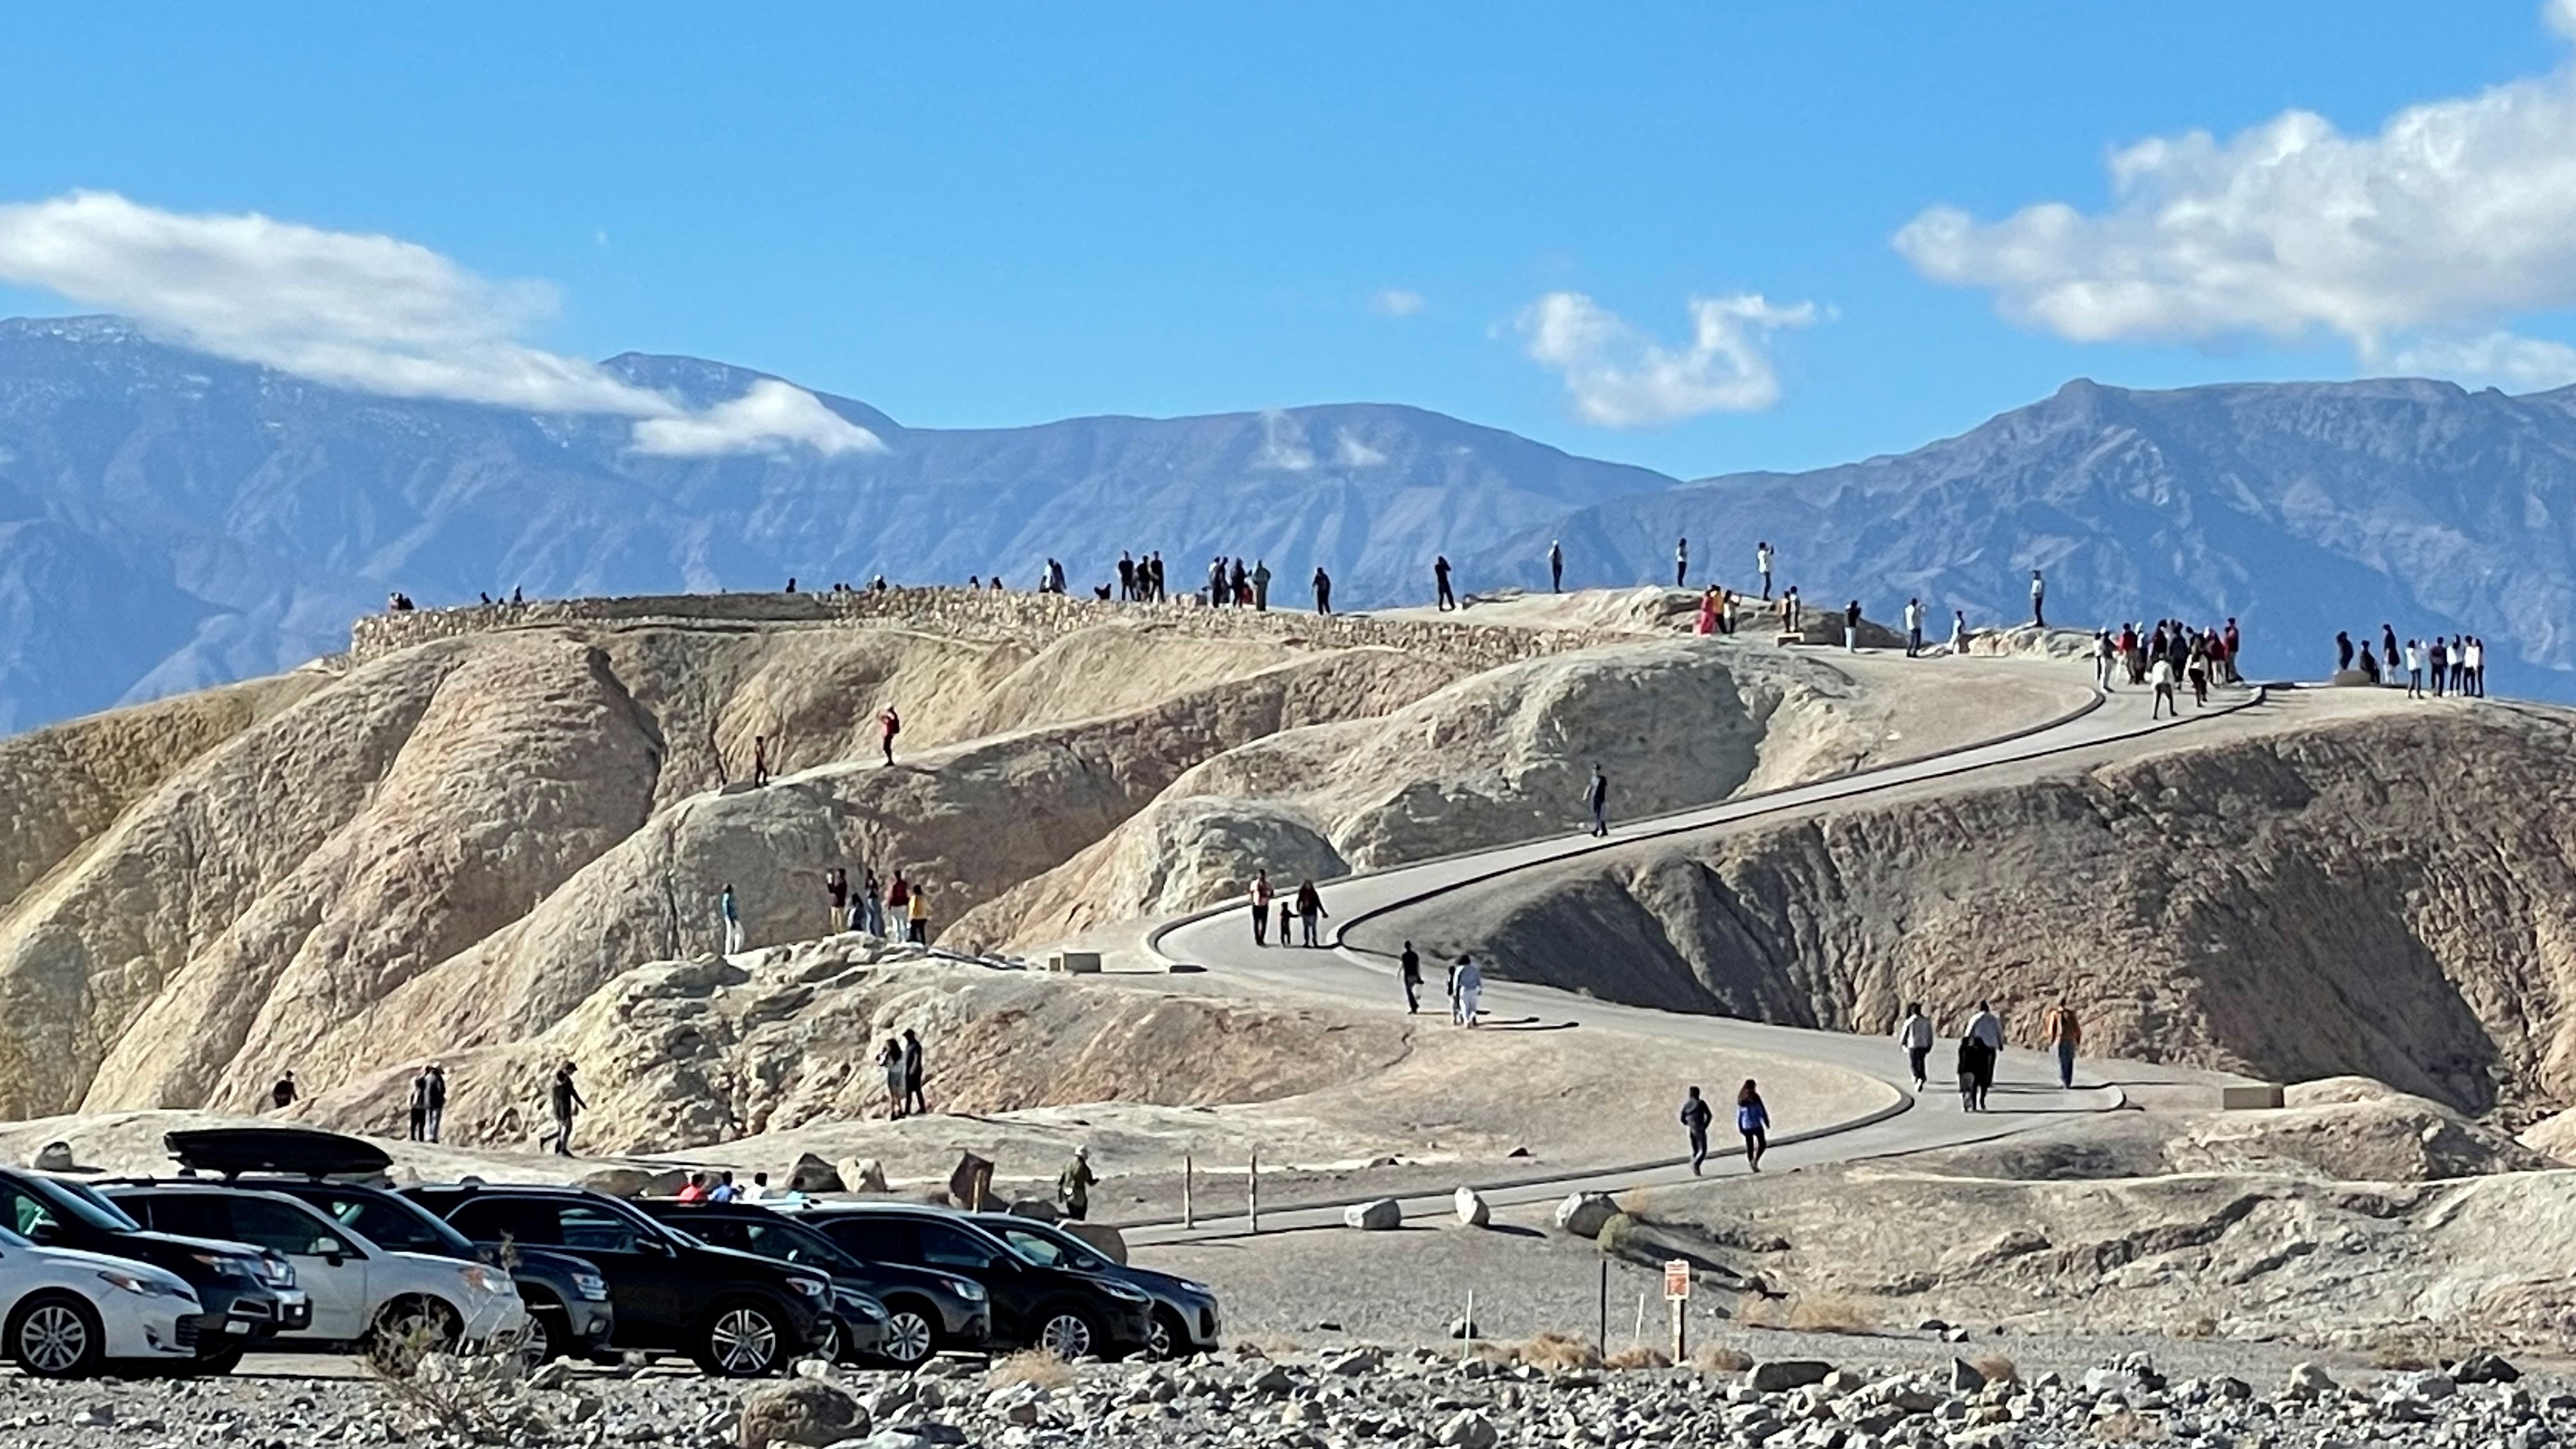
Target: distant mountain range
x=169 y=520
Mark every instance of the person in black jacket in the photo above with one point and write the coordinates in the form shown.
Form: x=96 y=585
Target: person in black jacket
x=1695 y=1119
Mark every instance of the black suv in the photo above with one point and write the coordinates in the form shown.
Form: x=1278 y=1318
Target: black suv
x=1066 y=1312
x=1186 y=1319
x=737 y=1314
x=568 y=1308
x=925 y=1310
x=249 y=1294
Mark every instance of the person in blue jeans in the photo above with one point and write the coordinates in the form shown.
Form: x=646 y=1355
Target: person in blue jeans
x=1695 y=1120
x=1754 y=1121
x=2065 y=1033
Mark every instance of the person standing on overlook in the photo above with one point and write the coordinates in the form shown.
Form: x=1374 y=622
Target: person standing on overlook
x=1851 y=627
x=759 y=760
x=729 y=917
x=871 y=903
x=836 y=900
x=1323 y=591
x=1958 y=632
x=2038 y=601
x=889 y=724
x=1681 y=563
x=1555 y=568
x=1762 y=561
x=1440 y=579
x=916 y=1072
x=1260 y=587
x=1913 y=628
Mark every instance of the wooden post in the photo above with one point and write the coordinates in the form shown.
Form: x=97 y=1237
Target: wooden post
x=1189 y=1218
x=1252 y=1184
x=1680 y=1307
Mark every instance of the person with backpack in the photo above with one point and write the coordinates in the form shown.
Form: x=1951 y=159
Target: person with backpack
x=1753 y=1120
x=1073 y=1186
x=1695 y=1117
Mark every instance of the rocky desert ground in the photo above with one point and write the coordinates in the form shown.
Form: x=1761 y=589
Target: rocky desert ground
x=495 y=838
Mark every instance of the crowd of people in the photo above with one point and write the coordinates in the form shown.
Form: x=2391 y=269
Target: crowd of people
x=2432 y=668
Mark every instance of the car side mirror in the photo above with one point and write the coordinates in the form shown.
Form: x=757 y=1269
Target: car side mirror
x=660 y=1248
x=331 y=1251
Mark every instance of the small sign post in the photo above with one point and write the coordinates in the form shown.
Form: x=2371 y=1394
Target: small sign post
x=1677 y=1286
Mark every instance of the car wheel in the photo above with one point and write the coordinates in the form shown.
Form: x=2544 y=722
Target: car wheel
x=911 y=1335
x=542 y=1341
x=410 y=1325
x=1068 y=1334
x=1165 y=1337
x=741 y=1340
x=56 y=1336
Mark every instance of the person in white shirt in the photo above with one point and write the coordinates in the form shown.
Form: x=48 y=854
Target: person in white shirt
x=1762 y=561
x=2414 y=671
x=1987 y=1027
x=1915 y=1035
x=1913 y=627
x=2162 y=677
x=1471 y=988
x=1958 y=632
x=2038 y=598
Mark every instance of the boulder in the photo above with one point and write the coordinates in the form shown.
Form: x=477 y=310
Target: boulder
x=636 y=1181
x=1583 y=1213
x=863 y=1174
x=1383 y=1215
x=1780 y=1375
x=1965 y=1377
x=1469 y=1430
x=1104 y=1239
x=799 y=1411
x=1471 y=1208
x=813 y=1174
x=2307 y=1381
x=54 y=1157
x=970 y=1185
x=1362 y=1360
x=1037 y=1209
x=2484 y=1368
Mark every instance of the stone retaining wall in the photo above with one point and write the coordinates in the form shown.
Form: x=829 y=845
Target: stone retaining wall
x=1033 y=620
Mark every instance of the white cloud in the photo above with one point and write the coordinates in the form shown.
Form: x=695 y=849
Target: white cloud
x=1396 y=302
x=2416 y=241
x=1620 y=377
x=2524 y=364
x=770 y=418
x=366 y=312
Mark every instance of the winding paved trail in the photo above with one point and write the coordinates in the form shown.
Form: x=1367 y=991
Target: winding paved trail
x=1368 y=913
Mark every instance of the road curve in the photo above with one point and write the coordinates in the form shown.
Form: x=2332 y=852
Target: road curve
x=2026 y=1092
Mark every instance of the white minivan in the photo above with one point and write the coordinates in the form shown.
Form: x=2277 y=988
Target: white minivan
x=64 y=1314
x=361 y=1293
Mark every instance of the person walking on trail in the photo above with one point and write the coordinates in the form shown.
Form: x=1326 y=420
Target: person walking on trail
x=1260 y=587
x=565 y=1099
x=1762 y=561
x=836 y=899
x=916 y=915
x=2065 y=1034
x=2102 y=660
x=1754 y=1121
x=2196 y=669
x=890 y=1063
x=1695 y=1117
x=1913 y=628
x=889 y=724
x=2414 y=671
x=1471 y=990
x=729 y=915
x=1323 y=591
x=1851 y=627
x=1408 y=970
x=1915 y=1035
x=915 y=1072
x=434 y=1098
x=2233 y=641
x=1987 y=1027
x=1976 y=1070
x=759 y=760
x=419 y=1105
x=1681 y=563
x=1597 y=796
x=1073 y=1186
x=1310 y=909
x=1261 y=894
x=2038 y=601
x=1440 y=578
x=1555 y=568
x=2161 y=676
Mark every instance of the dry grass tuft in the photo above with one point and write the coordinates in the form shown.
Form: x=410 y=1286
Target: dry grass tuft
x=1550 y=1350
x=1832 y=1315
x=2399 y=1358
x=1031 y=1366
x=2128 y=1426
x=1639 y=1356
x=1719 y=1359
x=2197 y=1328
x=1997 y=1368
x=1756 y=1311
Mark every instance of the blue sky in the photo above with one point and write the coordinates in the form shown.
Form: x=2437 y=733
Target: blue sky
x=980 y=216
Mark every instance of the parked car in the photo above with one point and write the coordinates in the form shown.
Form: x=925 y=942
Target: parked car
x=362 y=1292
x=736 y=1314
x=924 y=1310
x=569 y=1314
x=65 y=1314
x=1186 y=1319
x=1067 y=1312
x=246 y=1295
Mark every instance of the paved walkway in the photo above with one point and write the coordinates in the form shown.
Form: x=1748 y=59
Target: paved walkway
x=1368 y=910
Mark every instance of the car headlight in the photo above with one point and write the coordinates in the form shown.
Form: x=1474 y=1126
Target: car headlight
x=1116 y=1289
x=967 y=1288
x=276 y=1272
x=484 y=1280
x=131 y=1283
x=226 y=1265
x=810 y=1287
x=1192 y=1285
x=592 y=1287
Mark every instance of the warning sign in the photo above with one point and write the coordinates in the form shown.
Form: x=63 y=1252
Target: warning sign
x=1677 y=1279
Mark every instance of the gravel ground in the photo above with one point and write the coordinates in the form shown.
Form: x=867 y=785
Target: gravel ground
x=1553 y=1394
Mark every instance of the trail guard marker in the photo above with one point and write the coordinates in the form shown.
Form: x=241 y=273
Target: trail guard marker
x=1677 y=1284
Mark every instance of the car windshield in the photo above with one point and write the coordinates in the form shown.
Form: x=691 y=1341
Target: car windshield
x=396 y=1223
x=77 y=1199
x=1047 y=1250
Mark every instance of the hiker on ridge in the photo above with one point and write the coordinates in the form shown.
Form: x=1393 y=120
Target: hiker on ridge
x=1323 y=591
x=2038 y=601
x=1555 y=568
x=1440 y=577
x=1681 y=563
